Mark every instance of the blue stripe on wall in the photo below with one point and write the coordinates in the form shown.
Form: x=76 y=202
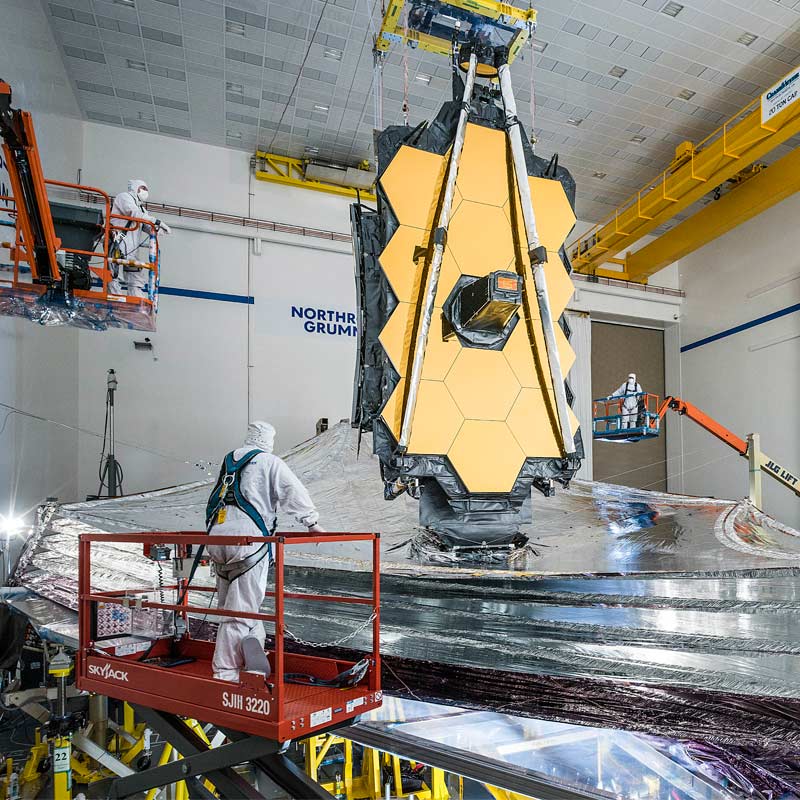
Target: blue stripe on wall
x=226 y=298
x=743 y=327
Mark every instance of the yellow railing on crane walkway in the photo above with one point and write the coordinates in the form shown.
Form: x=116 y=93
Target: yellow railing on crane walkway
x=695 y=171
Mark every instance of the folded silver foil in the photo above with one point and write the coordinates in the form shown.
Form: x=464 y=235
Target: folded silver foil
x=671 y=615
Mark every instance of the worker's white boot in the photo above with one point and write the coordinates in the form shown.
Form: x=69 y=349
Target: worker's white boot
x=255 y=659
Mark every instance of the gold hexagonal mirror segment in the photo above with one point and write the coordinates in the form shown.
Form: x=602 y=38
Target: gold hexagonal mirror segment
x=530 y=423
x=480 y=239
x=554 y=215
x=486 y=456
x=482 y=173
x=414 y=201
x=436 y=420
x=396 y=336
x=482 y=383
x=398 y=264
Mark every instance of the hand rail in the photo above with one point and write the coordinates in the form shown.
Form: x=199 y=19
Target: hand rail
x=132 y=598
x=102 y=270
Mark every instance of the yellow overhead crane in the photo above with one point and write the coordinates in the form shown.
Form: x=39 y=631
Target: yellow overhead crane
x=695 y=172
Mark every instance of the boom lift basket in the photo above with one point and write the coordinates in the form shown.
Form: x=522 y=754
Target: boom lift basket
x=173 y=673
x=610 y=423
x=62 y=258
x=86 y=230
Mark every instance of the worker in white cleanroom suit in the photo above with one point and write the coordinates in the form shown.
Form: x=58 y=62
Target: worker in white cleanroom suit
x=630 y=405
x=252 y=486
x=134 y=242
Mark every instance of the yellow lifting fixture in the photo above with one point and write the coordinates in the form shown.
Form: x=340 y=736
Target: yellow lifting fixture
x=437 y=39
x=302 y=172
x=695 y=172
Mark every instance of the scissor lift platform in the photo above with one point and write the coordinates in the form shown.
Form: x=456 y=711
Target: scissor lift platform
x=174 y=675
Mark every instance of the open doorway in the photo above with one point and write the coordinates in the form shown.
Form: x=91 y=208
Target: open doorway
x=616 y=351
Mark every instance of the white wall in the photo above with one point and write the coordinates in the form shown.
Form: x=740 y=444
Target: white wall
x=749 y=381
x=218 y=363
x=38 y=365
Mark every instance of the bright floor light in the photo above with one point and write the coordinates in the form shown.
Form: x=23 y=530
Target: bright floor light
x=11 y=525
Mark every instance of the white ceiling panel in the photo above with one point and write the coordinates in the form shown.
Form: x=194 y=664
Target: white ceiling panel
x=256 y=69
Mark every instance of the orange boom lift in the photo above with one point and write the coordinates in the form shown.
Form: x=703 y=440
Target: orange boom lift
x=78 y=263
x=612 y=423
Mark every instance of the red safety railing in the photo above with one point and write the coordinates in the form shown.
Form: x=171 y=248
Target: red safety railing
x=285 y=708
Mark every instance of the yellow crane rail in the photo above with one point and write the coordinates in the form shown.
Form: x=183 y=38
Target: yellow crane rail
x=695 y=172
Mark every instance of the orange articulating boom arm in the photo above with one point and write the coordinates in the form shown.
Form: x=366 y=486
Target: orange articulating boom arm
x=765 y=463
x=37 y=238
x=704 y=421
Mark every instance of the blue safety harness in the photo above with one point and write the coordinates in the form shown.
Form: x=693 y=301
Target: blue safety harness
x=228 y=492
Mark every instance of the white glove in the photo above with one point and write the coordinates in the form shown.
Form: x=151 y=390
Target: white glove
x=316 y=529
x=163 y=227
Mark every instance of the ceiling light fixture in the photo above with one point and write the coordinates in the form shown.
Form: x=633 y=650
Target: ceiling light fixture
x=747 y=39
x=128 y=3
x=332 y=53
x=234 y=88
x=539 y=46
x=147 y=115
x=312 y=151
x=320 y=107
x=234 y=134
x=617 y=71
x=140 y=66
x=574 y=121
x=422 y=78
x=600 y=175
x=672 y=9
x=638 y=139
x=234 y=27
x=686 y=94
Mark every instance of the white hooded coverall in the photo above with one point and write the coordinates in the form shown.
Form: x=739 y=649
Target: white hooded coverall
x=268 y=484
x=134 y=243
x=630 y=405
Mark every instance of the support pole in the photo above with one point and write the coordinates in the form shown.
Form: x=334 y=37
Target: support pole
x=538 y=257
x=61 y=754
x=112 y=459
x=98 y=716
x=439 y=242
x=754 y=462
x=110 y=466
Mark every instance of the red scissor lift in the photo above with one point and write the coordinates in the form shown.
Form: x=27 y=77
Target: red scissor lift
x=33 y=241
x=271 y=711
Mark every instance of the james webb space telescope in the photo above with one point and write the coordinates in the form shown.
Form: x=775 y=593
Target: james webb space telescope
x=462 y=282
